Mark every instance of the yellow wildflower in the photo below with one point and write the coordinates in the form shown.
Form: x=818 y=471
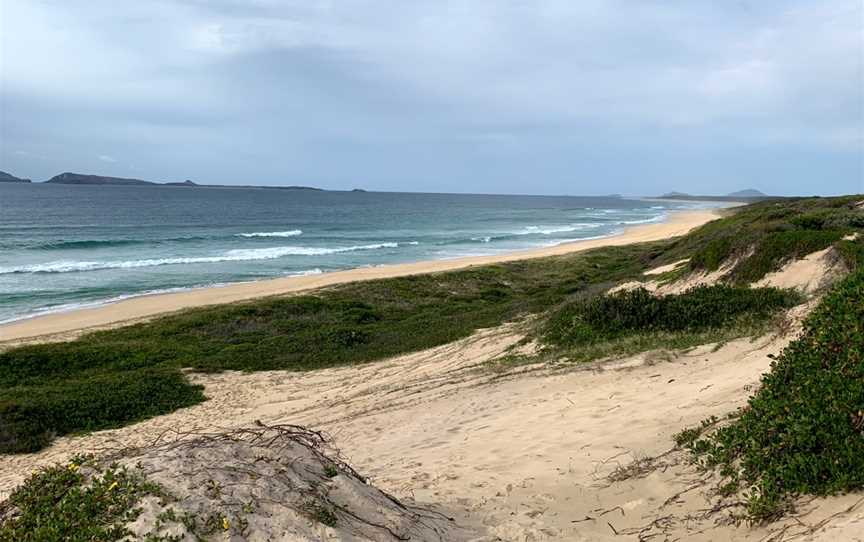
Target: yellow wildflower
x=226 y=524
x=112 y=486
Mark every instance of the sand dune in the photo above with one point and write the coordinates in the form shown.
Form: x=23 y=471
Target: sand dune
x=523 y=454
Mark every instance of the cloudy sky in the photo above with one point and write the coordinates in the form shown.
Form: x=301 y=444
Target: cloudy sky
x=519 y=96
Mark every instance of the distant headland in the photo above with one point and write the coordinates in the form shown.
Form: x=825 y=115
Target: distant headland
x=70 y=178
x=9 y=178
x=749 y=195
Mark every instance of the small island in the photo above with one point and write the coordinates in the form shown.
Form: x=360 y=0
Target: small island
x=84 y=179
x=9 y=178
x=79 y=178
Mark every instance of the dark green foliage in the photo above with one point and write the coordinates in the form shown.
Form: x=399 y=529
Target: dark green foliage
x=321 y=513
x=30 y=416
x=60 y=504
x=852 y=252
x=612 y=316
x=803 y=431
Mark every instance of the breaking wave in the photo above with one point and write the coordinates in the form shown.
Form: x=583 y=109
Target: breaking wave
x=289 y=233
x=230 y=256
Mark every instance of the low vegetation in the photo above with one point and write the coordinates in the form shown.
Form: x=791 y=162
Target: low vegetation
x=803 y=431
x=31 y=415
x=76 y=502
x=633 y=319
x=116 y=377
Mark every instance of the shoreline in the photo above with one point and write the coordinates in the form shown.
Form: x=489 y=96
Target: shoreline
x=68 y=324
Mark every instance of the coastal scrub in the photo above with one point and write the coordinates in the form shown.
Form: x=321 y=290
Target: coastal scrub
x=803 y=431
x=635 y=320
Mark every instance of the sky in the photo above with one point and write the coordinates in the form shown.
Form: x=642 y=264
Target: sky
x=486 y=96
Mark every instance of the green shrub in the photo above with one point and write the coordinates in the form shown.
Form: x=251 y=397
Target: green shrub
x=31 y=416
x=61 y=504
x=715 y=252
x=852 y=253
x=803 y=431
x=612 y=316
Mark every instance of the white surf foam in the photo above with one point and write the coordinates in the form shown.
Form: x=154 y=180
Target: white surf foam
x=658 y=218
x=237 y=255
x=549 y=230
x=289 y=233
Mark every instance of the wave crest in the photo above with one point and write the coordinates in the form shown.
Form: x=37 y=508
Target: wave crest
x=230 y=256
x=289 y=233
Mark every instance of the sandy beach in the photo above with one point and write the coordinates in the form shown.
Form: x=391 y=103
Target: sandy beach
x=64 y=325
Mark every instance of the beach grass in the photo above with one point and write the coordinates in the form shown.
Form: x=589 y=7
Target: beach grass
x=115 y=377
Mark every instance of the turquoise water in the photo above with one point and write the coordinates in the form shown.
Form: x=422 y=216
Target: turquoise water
x=63 y=247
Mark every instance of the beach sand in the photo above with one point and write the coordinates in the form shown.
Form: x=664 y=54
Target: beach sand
x=67 y=325
x=523 y=454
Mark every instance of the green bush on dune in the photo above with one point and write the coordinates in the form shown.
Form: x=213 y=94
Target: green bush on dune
x=803 y=431
x=626 y=313
x=63 y=503
x=31 y=416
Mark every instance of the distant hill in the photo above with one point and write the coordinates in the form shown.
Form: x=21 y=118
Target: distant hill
x=9 y=178
x=187 y=182
x=747 y=196
x=748 y=193
x=79 y=178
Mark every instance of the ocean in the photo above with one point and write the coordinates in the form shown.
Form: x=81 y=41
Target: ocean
x=64 y=247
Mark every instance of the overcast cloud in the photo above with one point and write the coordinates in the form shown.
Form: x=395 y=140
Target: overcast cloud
x=555 y=97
